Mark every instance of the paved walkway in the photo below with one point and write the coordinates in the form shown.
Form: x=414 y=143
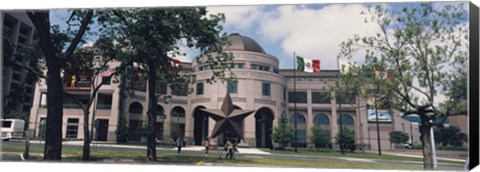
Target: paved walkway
x=443 y=155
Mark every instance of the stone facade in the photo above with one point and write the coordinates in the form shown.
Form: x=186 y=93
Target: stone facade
x=260 y=85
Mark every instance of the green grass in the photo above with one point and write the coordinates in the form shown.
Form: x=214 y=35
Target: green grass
x=75 y=155
x=136 y=144
x=329 y=153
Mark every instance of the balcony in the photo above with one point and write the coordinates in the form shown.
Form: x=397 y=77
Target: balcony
x=104 y=106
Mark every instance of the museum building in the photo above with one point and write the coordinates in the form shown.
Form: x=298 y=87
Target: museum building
x=260 y=86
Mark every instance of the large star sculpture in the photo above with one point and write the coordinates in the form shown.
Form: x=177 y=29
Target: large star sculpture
x=227 y=118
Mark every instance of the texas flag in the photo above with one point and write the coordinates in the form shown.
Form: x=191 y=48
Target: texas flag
x=174 y=64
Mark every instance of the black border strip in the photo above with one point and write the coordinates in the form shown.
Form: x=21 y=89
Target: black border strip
x=473 y=107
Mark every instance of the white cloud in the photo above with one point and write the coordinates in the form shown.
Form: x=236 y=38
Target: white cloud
x=241 y=17
x=311 y=33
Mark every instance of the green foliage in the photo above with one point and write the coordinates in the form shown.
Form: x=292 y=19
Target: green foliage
x=320 y=137
x=398 y=137
x=175 y=130
x=348 y=137
x=283 y=133
x=414 y=47
x=449 y=136
x=122 y=131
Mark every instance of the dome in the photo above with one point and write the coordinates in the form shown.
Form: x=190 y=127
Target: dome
x=242 y=43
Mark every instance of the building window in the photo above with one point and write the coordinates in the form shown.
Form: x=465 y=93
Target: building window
x=299 y=97
x=72 y=128
x=240 y=65
x=200 y=88
x=266 y=89
x=345 y=98
x=42 y=127
x=254 y=66
x=162 y=87
x=322 y=120
x=300 y=119
x=321 y=97
x=232 y=87
x=106 y=80
x=179 y=88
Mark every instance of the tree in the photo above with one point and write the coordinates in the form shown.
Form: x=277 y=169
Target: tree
x=449 y=136
x=320 y=137
x=416 y=50
x=283 y=133
x=153 y=37
x=347 y=139
x=122 y=130
x=56 y=47
x=86 y=61
x=175 y=131
x=398 y=137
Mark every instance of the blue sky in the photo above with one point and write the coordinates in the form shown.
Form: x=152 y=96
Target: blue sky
x=312 y=31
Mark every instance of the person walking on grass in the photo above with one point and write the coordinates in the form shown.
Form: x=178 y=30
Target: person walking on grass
x=206 y=144
x=179 y=143
x=229 y=147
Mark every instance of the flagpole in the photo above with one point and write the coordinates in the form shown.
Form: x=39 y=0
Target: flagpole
x=295 y=98
x=340 y=106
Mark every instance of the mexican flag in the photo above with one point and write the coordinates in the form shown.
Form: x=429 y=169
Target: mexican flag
x=308 y=65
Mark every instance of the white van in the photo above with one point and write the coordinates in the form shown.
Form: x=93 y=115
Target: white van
x=11 y=129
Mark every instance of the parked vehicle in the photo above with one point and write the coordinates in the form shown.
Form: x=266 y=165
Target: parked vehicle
x=11 y=129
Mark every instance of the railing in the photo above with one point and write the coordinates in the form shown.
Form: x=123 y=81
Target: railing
x=106 y=107
x=71 y=106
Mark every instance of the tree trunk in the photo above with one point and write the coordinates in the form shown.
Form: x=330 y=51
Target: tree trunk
x=53 y=135
x=426 y=142
x=152 y=109
x=86 y=133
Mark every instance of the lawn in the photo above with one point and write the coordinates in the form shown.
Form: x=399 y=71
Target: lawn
x=109 y=156
x=329 y=153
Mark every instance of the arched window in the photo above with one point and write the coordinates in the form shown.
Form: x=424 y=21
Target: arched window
x=300 y=119
x=346 y=119
x=160 y=111
x=135 y=107
x=321 y=119
x=178 y=112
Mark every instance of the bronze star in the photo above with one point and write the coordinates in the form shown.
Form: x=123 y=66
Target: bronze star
x=227 y=118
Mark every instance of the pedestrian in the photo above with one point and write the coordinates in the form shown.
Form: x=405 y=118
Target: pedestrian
x=229 y=147
x=179 y=143
x=206 y=144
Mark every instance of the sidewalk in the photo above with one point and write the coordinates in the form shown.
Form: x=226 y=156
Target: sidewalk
x=188 y=148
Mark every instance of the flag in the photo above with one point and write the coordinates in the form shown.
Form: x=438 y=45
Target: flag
x=308 y=65
x=106 y=71
x=174 y=64
x=137 y=68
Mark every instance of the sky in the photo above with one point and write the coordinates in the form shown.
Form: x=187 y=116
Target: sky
x=312 y=31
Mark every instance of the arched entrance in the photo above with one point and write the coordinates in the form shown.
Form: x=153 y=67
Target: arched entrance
x=160 y=122
x=177 y=117
x=135 y=123
x=263 y=127
x=200 y=125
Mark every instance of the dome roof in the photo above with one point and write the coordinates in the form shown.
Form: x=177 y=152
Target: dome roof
x=242 y=43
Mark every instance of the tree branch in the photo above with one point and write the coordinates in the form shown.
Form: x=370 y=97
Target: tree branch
x=73 y=45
